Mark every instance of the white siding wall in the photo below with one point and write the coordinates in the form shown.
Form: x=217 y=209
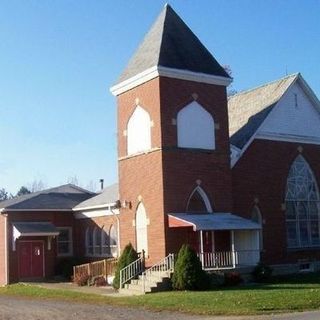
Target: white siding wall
x=247 y=243
x=138 y=131
x=289 y=119
x=195 y=127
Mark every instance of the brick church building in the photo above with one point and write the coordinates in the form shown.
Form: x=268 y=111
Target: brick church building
x=236 y=178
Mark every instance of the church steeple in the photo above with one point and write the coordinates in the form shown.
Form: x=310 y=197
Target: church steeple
x=171 y=47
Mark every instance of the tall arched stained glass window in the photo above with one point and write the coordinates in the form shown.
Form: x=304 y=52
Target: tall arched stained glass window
x=302 y=206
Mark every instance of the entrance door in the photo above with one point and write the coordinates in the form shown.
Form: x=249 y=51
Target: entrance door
x=141 y=229
x=208 y=241
x=31 y=259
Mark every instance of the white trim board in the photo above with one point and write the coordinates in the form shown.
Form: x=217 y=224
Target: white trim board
x=157 y=71
x=287 y=138
x=95 y=213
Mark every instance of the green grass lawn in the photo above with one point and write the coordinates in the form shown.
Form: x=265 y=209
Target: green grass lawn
x=285 y=294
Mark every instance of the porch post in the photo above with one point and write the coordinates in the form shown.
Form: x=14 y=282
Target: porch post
x=201 y=248
x=232 y=250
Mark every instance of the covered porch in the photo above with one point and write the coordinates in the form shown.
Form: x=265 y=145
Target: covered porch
x=222 y=240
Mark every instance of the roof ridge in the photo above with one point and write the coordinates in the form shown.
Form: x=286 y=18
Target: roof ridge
x=264 y=85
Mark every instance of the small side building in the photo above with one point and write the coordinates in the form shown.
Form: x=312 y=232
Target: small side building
x=36 y=231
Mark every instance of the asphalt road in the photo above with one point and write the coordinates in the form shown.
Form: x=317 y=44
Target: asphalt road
x=32 y=309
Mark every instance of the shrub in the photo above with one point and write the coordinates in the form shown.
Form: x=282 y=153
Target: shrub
x=100 y=281
x=64 y=267
x=232 y=278
x=81 y=279
x=188 y=273
x=128 y=255
x=216 y=280
x=261 y=272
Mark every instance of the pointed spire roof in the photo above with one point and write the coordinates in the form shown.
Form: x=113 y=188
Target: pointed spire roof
x=171 y=44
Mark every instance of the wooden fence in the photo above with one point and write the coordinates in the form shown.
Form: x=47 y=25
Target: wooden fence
x=101 y=268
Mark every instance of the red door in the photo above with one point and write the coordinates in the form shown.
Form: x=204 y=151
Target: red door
x=31 y=260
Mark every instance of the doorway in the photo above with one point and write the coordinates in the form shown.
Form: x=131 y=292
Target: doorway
x=31 y=259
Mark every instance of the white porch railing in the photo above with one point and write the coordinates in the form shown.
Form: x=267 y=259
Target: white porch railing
x=156 y=272
x=132 y=270
x=228 y=259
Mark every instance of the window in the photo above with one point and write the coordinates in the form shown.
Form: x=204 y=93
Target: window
x=64 y=241
x=113 y=240
x=89 y=242
x=302 y=206
x=138 y=131
x=195 y=127
x=105 y=242
x=99 y=243
x=256 y=217
x=198 y=201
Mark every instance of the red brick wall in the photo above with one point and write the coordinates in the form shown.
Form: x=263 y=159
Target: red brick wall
x=59 y=219
x=261 y=174
x=142 y=175
x=181 y=167
x=165 y=177
x=2 y=250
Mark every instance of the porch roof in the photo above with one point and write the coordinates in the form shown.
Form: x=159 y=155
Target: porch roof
x=29 y=229
x=211 y=221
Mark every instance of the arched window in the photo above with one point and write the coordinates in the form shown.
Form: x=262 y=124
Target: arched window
x=89 y=242
x=113 y=240
x=256 y=217
x=302 y=206
x=105 y=242
x=198 y=201
x=97 y=241
x=138 y=131
x=142 y=229
x=195 y=127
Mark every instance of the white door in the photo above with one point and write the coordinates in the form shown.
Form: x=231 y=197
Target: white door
x=141 y=229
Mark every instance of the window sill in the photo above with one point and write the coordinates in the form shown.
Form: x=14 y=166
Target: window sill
x=63 y=255
x=303 y=249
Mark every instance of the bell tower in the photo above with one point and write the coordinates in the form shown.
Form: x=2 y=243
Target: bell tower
x=172 y=135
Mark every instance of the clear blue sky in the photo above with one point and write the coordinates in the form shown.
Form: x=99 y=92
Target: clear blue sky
x=59 y=58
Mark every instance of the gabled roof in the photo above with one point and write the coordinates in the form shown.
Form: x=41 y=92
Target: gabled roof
x=170 y=43
x=108 y=196
x=64 y=197
x=248 y=109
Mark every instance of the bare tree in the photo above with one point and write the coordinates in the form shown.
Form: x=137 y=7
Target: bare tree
x=36 y=185
x=74 y=180
x=91 y=186
x=231 y=90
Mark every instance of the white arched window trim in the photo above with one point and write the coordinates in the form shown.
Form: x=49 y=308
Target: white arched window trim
x=302 y=206
x=257 y=217
x=195 y=127
x=101 y=242
x=89 y=241
x=138 y=131
x=204 y=197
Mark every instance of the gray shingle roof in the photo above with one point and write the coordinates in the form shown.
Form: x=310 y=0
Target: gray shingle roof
x=248 y=109
x=62 y=197
x=170 y=43
x=25 y=228
x=109 y=195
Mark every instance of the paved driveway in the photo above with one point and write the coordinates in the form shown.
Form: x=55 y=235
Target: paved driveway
x=32 y=309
